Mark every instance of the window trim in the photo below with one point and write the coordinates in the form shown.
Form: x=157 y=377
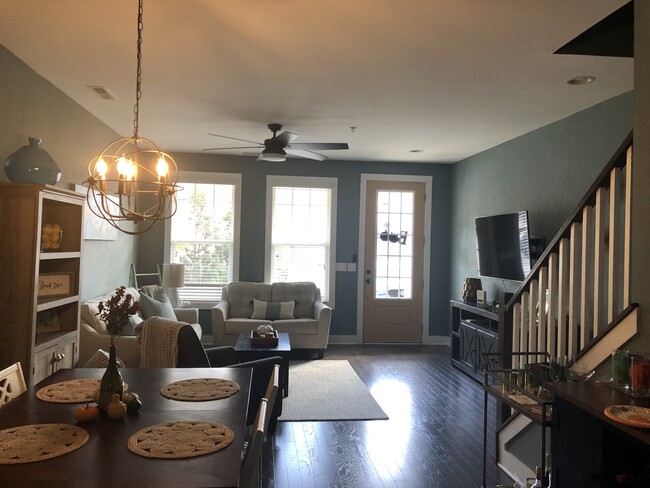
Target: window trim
x=214 y=179
x=302 y=182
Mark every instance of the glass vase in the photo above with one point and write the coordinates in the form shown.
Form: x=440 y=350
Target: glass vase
x=111 y=381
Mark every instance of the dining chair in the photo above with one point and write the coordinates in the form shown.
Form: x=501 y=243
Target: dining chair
x=250 y=467
x=12 y=383
x=271 y=396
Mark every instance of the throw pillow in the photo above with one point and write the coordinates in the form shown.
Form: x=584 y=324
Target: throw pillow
x=272 y=310
x=100 y=360
x=150 y=307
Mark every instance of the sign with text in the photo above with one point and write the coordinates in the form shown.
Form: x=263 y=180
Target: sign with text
x=54 y=284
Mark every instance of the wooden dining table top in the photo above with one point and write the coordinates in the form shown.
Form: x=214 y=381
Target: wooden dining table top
x=105 y=460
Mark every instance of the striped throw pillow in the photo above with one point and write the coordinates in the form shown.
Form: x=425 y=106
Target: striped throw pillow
x=273 y=310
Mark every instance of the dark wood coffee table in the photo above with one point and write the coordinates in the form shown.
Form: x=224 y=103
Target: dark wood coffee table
x=245 y=352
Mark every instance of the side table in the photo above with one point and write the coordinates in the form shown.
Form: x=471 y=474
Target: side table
x=245 y=352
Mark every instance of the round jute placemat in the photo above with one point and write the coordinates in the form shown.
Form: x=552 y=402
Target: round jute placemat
x=180 y=439
x=71 y=391
x=29 y=443
x=200 y=389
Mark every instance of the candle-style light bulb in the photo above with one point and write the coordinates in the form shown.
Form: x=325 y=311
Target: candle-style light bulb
x=162 y=168
x=101 y=168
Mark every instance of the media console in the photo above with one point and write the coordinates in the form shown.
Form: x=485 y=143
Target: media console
x=474 y=331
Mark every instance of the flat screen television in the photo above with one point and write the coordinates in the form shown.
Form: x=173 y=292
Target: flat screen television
x=503 y=246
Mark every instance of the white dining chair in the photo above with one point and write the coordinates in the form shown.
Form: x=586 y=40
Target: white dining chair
x=249 y=476
x=12 y=383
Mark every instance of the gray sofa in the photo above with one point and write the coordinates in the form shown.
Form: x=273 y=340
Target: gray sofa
x=93 y=334
x=243 y=304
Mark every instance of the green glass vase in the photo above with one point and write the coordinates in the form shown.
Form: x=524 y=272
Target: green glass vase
x=111 y=381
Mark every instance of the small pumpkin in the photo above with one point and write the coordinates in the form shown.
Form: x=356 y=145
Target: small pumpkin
x=116 y=409
x=86 y=414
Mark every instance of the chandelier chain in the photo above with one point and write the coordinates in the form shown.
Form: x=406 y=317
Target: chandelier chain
x=138 y=82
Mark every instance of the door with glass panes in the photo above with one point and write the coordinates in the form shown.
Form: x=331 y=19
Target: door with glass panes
x=393 y=268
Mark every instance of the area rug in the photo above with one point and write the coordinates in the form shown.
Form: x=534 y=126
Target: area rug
x=327 y=390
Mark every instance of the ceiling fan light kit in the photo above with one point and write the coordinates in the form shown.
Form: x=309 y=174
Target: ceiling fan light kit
x=277 y=147
x=132 y=180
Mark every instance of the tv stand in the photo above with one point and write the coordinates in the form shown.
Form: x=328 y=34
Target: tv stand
x=474 y=331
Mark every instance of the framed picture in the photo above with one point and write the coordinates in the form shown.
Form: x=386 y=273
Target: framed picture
x=54 y=284
x=47 y=321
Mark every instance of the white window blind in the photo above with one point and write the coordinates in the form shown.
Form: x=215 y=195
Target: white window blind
x=303 y=232
x=203 y=235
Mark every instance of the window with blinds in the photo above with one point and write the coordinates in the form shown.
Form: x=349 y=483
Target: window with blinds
x=204 y=235
x=301 y=231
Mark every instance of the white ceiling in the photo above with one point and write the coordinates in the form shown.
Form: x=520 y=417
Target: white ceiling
x=449 y=77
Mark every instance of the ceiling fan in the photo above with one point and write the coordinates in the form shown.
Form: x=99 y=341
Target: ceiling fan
x=277 y=147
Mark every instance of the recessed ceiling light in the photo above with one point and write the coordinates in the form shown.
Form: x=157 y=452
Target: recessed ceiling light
x=580 y=80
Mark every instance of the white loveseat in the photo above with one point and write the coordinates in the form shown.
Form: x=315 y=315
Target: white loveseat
x=93 y=334
x=308 y=327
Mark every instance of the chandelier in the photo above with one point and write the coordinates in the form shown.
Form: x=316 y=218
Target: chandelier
x=132 y=180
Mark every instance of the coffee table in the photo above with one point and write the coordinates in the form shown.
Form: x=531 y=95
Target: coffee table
x=245 y=352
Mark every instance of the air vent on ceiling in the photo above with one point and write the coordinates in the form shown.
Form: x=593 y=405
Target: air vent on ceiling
x=102 y=92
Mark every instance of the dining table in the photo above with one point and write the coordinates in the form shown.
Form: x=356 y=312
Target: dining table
x=106 y=459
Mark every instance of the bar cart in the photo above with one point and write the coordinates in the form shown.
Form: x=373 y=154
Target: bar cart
x=517 y=380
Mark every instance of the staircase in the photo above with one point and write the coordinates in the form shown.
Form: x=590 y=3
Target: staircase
x=575 y=303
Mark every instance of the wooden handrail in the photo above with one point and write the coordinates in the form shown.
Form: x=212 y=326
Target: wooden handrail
x=618 y=160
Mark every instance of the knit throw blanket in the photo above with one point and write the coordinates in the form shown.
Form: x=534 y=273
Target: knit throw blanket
x=159 y=347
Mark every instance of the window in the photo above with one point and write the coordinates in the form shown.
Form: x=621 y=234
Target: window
x=301 y=231
x=204 y=235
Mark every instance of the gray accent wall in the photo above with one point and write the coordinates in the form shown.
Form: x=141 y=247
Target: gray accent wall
x=546 y=172
x=344 y=316
x=33 y=107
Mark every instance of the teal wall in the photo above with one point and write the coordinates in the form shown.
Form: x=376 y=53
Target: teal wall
x=33 y=107
x=546 y=172
x=348 y=173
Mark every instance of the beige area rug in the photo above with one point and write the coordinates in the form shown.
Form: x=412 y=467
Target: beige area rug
x=327 y=390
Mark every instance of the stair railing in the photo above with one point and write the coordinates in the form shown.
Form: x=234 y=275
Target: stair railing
x=580 y=284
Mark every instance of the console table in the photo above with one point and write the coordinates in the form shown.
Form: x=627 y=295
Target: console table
x=589 y=449
x=474 y=332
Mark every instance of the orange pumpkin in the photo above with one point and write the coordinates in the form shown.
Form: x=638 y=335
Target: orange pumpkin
x=86 y=414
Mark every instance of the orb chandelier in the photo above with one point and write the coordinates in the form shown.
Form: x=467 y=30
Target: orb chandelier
x=132 y=180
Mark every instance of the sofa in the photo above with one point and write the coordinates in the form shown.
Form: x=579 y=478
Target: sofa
x=292 y=307
x=93 y=334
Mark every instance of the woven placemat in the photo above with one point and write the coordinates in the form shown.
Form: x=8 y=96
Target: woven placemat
x=72 y=391
x=200 y=389
x=29 y=443
x=180 y=439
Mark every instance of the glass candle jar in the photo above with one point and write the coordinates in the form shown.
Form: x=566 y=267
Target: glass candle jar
x=640 y=374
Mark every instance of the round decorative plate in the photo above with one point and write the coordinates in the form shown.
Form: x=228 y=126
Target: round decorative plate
x=200 y=389
x=29 y=443
x=72 y=391
x=629 y=415
x=180 y=439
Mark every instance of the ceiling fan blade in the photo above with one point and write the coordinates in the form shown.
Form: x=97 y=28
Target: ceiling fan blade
x=305 y=154
x=234 y=138
x=320 y=146
x=226 y=148
x=285 y=138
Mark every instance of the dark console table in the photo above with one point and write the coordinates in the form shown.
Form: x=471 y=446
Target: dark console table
x=588 y=448
x=474 y=331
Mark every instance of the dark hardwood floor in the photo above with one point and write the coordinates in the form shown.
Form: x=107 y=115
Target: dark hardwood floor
x=433 y=438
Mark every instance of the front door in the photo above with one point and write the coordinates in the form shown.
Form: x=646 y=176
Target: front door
x=393 y=268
